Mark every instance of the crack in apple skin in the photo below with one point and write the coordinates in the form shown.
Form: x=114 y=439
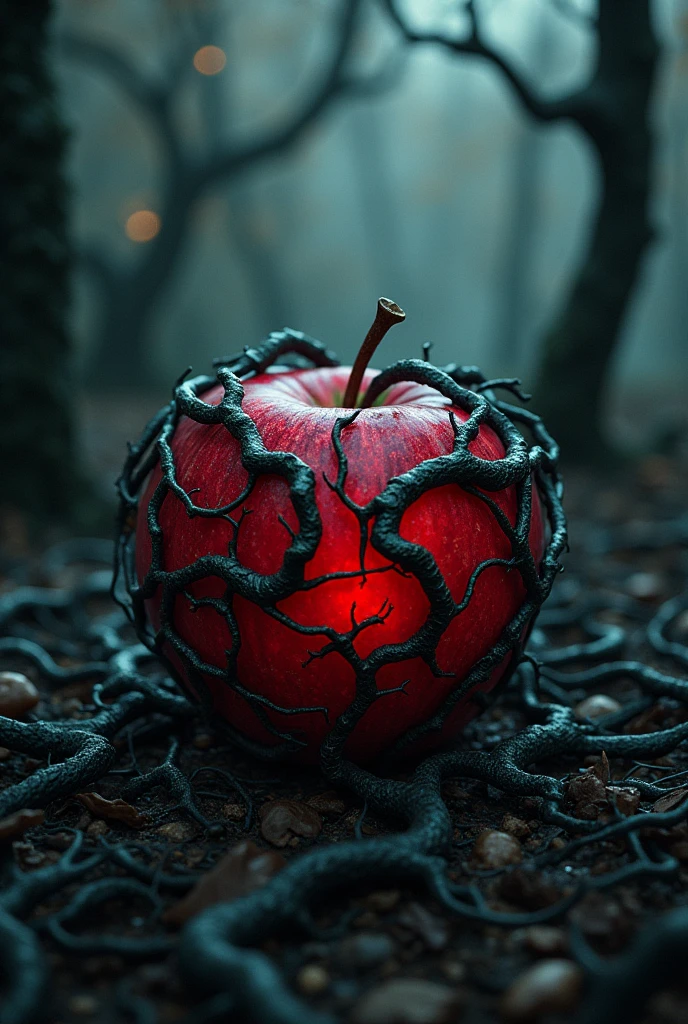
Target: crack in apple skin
x=522 y=467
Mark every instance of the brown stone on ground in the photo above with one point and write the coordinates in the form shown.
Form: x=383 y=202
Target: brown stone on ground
x=203 y=741
x=15 y=825
x=5 y=754
x=597 y=705
x=17 y=694
x=545 y=940
x=383 y=900
x=550 y=986
x=281 y=820
x=493 y=849
x=112 y=810
x=516 y=826
x=244 y=868
x=176 y=831
x=96 y=829
x=312 y=979
x=646 y=586
x=408 y=1001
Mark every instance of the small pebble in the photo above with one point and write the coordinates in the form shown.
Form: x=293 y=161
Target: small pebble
x=82 y=1005
x=234 y=812
x=493 y=849
x=408 y=1001
x=365 y=950
x=550 y=986
x=17 y=694
x=516 y=826
x=203 y=741
x=97 y=828
x=312 y=979
x=597 y=705
x=646 y=586
x=5 y=754
x=175 y=831
x=283 y=820
x=545 y=940
x=383 y=900
x=454 y=970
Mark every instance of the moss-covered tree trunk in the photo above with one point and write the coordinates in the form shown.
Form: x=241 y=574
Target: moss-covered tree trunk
x=39 y=474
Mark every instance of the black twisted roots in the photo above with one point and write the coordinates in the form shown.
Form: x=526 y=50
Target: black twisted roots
x=520 y=466
x=219 y=951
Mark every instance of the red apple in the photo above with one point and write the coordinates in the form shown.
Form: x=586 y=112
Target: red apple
x=295 y=411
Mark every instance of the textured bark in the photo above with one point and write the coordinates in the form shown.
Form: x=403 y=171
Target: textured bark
x=39 y=474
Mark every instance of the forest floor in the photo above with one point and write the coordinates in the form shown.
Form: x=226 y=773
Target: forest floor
x=401 y=957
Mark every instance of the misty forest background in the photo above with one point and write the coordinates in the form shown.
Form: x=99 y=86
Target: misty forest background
x=512 y=172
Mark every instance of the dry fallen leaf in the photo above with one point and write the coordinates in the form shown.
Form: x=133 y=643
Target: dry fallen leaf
x=16 y=824
x=282 y=819
x=327 y=803
x=244 y=868
x=112 y=810
x=669 y=801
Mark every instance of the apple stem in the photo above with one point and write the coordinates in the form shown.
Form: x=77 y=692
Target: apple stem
x=388 y=314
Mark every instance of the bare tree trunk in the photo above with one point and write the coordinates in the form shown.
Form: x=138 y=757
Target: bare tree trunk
x=613 y=111
x=514 y=277
x=39 y=477
x=577 y=353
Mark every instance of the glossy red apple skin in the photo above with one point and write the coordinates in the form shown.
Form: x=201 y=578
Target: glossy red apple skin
x=294 y=412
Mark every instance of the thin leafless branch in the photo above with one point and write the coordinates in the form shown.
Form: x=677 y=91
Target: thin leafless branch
x=570 y=106
x=234 y=157
x=153 y=98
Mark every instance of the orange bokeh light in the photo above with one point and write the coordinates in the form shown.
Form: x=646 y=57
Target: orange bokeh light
x=142 y=226
x=209 y=60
